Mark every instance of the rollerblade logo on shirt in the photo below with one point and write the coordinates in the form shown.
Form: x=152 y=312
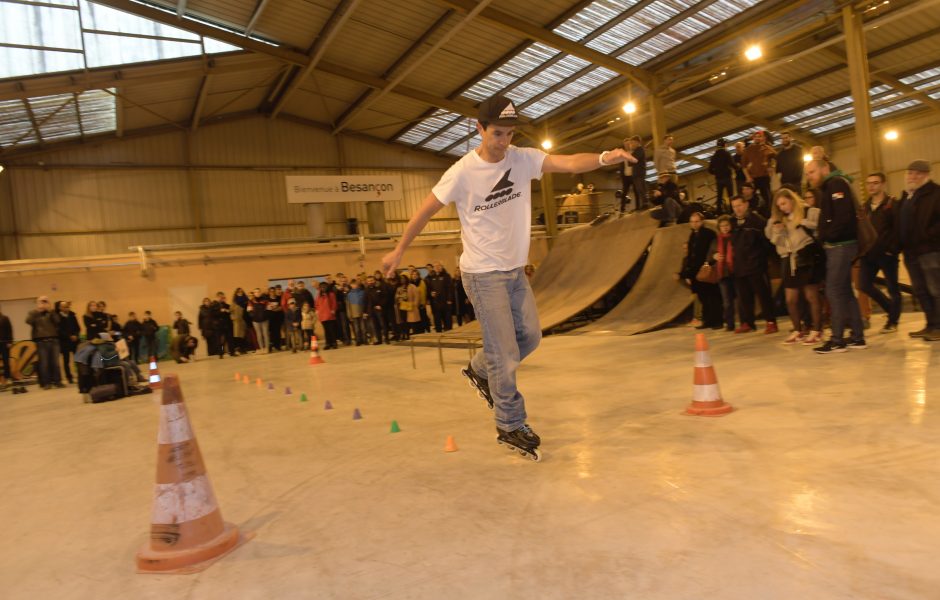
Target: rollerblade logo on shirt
x=500 y=194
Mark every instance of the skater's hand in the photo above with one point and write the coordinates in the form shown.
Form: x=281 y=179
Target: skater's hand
x=390 y=261
x=618 y=155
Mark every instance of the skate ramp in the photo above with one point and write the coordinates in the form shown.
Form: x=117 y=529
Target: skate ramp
x=657 y=297
x=583 y=265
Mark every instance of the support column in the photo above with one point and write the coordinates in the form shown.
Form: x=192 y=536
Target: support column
x=375 y=211
x=548 y=202
x=657 y=121
x=316 y=219
x=856 y=54
x=195 y=198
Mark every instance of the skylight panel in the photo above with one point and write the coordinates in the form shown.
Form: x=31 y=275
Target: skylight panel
x=467 y=146
x=428 y=127
x=518 y=66
x=545 y=79
x=55 y=116
x=903 y=105
x=15 y=126
x=451 y=135
x=793 y=118
x=576 y=88
x=98 y=111
x=923 y=75
x=592 y=17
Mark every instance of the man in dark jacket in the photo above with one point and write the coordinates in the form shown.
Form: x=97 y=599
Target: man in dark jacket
x=376 y=299
x=750 y=266
x=918 y=227
x=721 y=167
x=6 y=340
x=69 y=331
x=634 y=174
x=441 y=290
x=45 y=332
x=883 y=256
x=790 y=161
x=132 y=333
x=148 y=331
x=838 y=232
x=222 y=324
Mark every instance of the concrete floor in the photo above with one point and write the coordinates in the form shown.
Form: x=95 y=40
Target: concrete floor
x=825 y=483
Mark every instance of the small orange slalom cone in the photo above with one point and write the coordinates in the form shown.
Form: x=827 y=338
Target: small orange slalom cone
x=706 y=396
x=450 y=445
x=258 y=383
x=315 y=358
x=237 y=377
x=155 y=382
x=187 y=531
x=246 y=379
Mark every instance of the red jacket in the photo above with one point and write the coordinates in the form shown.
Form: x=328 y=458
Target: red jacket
x=326 y=306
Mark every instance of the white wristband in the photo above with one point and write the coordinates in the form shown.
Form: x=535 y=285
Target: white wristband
x=600 y=158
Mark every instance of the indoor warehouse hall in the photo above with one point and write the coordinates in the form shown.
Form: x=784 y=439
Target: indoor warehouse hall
x=346 y=299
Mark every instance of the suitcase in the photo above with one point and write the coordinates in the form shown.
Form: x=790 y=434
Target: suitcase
x=103 y=393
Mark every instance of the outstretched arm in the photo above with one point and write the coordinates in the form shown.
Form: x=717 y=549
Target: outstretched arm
x=428 y=209
x=582 y=163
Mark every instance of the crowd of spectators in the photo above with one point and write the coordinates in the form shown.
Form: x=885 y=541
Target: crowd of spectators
x=819 y=239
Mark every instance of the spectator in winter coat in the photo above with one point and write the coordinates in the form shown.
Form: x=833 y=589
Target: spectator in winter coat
x=356 y=310
x=45 y=333
x=183 y=348
x=132 y=333
x=721 y=167
x=326 y=313
x=750 y=266
x=149 y=329
x=292 y=326
x=68 y=335
x=838 y=232
x=883 y=255
x=205 y=326
x=308 y=322
x=918 y=227
x=441 y=292
x=95 y=321
x=6 y=341
x=722 y=256
x=257 y=308
x=180 y=325
x=700 y=241
x=463 y=307
x=791 y=229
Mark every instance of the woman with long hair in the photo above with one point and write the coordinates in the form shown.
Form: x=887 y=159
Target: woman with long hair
x=791 y=229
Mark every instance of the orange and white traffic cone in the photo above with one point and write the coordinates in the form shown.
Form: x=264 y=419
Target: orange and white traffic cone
x=155 y=382
x=315 y=358
x=187 y=531
x=706 y=396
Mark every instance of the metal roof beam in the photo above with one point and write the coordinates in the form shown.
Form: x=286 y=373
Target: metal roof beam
x=180 y=8
x=888 y=79
x=200 y=103
x=518 y=26
x=772 y=124
x=255 y=16
x=326 y=36
x=32 y=120
x=402 y=58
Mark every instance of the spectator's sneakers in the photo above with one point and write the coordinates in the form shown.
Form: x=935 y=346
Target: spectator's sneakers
x=812 y=338
x=919 y=333
x=932 y=335
x=857 y=345
x=795 y=337
x=744 y=328
x=695 y=323
x=771 y=327
x=889 y=327
x=831 y=347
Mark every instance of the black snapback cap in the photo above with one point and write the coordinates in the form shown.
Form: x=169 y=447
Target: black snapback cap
x=498 y=110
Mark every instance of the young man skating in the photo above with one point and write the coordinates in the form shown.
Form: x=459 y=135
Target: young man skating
x=491 y=189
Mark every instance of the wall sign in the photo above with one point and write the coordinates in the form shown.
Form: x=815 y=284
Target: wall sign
x=304 y=189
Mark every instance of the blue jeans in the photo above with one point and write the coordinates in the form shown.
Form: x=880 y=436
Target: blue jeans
x=868 y=269
x=48 y=354
x=925 y=281
x=726 y=286
x=839 y=292
x=505 y=307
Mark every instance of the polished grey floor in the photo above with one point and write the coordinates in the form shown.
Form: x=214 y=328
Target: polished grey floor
x=824 y=483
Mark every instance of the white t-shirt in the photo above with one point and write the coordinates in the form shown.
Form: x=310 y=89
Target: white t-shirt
x=494 y=204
